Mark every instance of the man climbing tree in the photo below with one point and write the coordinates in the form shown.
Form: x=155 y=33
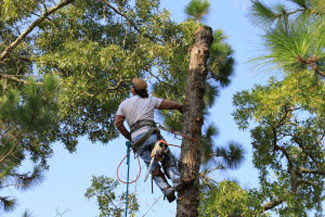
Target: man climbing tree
x=139 y=113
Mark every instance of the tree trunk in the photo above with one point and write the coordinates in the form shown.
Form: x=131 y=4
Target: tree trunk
x=188 y=200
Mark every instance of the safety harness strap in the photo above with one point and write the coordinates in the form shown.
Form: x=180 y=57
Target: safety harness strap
x=142 y=123
x=144 y=138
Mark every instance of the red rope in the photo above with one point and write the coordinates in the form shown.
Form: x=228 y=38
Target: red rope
x=118 y=171
x=163 y=141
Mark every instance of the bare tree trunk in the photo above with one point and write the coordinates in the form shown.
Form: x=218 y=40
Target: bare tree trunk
x=188 y=200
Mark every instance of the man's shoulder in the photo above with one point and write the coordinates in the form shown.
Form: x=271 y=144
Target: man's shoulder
x=128 y=101
x=136 y=98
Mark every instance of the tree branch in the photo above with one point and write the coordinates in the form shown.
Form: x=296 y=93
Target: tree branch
x=48 y=12
x=14 y=78
x=272 y=204
x=306 y=182
x=13 y=147
x=122 y=14
x=313 y=63
x=117 y=85
x=286 y=112
x=133 y=24
x=305 y=170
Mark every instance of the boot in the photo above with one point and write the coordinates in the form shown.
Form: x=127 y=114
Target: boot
x=170 y=194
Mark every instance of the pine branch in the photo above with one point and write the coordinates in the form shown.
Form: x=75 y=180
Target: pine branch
x=27 y=180
x=313 y=63
x=268 y=15
x=7 y=204
x=27 y=214
x=37 y=22
x=13 y=147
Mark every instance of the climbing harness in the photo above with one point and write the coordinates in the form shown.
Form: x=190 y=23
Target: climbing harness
x=142 y=123
x=154 y=129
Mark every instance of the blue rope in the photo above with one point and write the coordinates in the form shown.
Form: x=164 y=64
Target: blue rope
x=128 y=150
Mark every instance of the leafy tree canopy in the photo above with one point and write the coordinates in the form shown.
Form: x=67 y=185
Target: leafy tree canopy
x=288 y=113
x=66 y=65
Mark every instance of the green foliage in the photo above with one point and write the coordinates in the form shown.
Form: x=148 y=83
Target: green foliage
x=233 y=155
x=264 y=13
x=13 y=10
x=318 y=7
x=27 y=214
x=7 y=204
x=288 y=115
x=291 y=48
x=221 y=59
x=228 y=199
x=196 y=9
x=172 y=85
x=110 y=204
x=66 y=79
x=32 y=112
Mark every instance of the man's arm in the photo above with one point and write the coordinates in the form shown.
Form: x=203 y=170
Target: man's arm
x=119 y=119
x=167 y=104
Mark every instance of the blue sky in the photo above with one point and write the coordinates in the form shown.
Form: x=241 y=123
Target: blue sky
x=70 y=174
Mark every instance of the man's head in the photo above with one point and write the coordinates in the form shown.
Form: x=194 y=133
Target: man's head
x=139 y=87
x=139 y=84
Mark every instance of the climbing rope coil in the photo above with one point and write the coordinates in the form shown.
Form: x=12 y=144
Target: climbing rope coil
x=127 y=156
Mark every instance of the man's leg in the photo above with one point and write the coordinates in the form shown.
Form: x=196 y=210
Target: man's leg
x=144 y=152
x=170 y=167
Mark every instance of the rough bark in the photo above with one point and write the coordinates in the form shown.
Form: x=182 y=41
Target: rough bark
x=188 y=200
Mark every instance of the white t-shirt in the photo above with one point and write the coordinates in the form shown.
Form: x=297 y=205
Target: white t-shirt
x=137 y=108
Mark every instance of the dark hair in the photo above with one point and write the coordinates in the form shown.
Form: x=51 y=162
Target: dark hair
x=143 y=93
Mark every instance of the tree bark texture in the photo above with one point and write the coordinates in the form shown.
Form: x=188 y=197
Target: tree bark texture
x=188 y=199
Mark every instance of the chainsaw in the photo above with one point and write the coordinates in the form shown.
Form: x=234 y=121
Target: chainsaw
x=157 y=154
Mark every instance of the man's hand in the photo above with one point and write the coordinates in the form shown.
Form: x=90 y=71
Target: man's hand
x=119 y=119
